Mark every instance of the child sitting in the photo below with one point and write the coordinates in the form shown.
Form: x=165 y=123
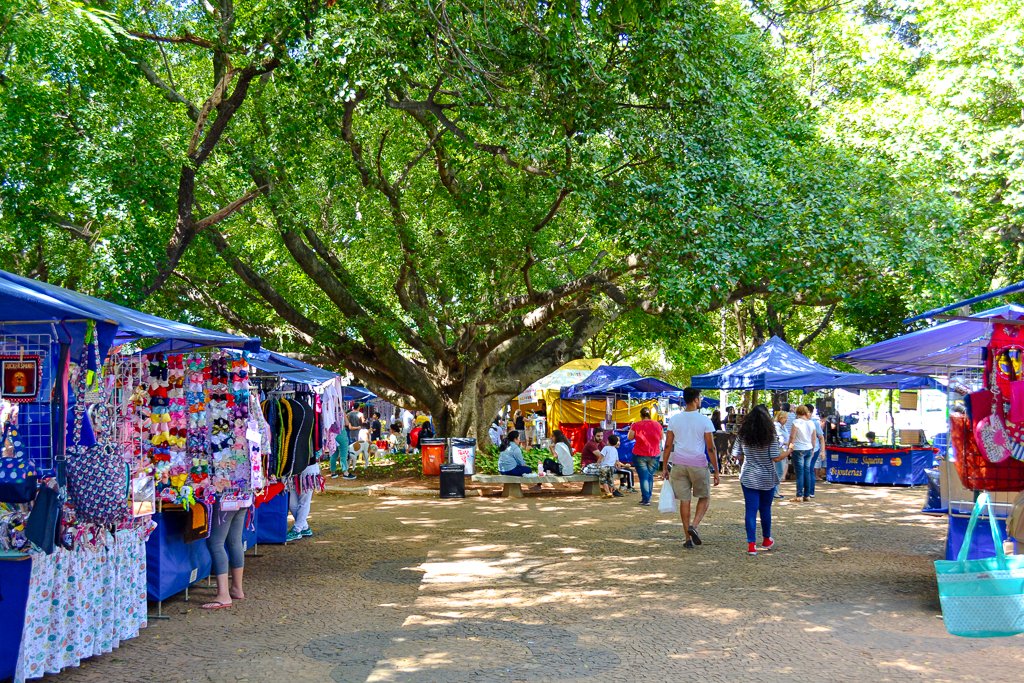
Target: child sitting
x=609 y=463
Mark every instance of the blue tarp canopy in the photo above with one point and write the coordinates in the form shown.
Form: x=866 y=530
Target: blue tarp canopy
x=773 y=365
x=603 y=375
x=34 y=307
x=854 y=381
x=706 y=402
x=357 y=394
x=290 y=369
x=936 y=350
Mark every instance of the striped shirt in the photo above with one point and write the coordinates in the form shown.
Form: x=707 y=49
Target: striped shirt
x=758 y=470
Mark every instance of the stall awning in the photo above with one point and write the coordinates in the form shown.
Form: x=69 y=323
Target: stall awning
x=856 y=381
x=603 y=375
x=639 y=388
x=773 y=365
x=936 y=350
x=34 y=303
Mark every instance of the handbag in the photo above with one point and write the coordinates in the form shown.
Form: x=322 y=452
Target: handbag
x=98 y=479
x=18 y=481
x=990 y=432
x=982 y=598
x=43 y=526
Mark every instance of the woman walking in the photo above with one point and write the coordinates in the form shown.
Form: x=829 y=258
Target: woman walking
x=757 y=446
x=803 y=439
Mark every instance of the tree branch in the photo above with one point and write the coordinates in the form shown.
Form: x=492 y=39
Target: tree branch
x=819 y=329
x=186 y=39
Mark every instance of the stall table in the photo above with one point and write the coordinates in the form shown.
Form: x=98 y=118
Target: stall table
x=873 y=465
x=71 y=605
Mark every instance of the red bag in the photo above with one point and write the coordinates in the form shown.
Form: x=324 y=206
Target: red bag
x=977 y=472
x=269 y=493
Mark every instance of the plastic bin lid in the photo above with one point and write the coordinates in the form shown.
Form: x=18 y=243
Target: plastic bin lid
x=433 y=441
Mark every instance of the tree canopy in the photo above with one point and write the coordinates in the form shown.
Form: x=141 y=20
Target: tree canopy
x=449 y=199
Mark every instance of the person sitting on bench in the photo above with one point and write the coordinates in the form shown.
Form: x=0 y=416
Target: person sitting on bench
x=510 y=461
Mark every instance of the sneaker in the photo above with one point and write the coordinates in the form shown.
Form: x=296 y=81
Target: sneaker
x=695 y=536
x=812 y=495
x=779 y=496
x=617 y=494
x=293 y=536
x=688 y=545
x=334 y=475
x=751 y=548
x=645 y=503
x=350 y=477
x=306 y=533
x=767 y=544
x=806 y=499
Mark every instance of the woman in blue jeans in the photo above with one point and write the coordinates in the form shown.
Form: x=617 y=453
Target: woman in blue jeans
x=226 y=553
x=803 y=440
x=647 y=436
x=510 y=460
x=757 y=447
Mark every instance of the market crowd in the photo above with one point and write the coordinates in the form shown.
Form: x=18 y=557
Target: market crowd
x=682 y=451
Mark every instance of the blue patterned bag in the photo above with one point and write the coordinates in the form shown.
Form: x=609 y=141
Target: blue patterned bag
x=18 y=480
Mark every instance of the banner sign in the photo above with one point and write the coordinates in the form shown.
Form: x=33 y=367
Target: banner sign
x=886 y=466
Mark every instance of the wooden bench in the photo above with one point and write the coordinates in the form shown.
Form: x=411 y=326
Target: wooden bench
x=513 y=486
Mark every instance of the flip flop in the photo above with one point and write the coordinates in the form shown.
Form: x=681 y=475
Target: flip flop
x=216 y=605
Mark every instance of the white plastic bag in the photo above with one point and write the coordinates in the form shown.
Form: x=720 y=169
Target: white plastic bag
x=667 y=502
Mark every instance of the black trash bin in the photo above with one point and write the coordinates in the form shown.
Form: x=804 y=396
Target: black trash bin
x=453 y=481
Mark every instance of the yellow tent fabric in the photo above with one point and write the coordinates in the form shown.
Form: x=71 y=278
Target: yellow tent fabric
x=549 y=389
x=573 y=412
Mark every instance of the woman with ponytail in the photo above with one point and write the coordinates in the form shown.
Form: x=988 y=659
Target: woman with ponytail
x=510 y=461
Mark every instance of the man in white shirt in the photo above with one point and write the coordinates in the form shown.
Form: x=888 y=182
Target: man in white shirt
x=408 y=420
x=689 y=442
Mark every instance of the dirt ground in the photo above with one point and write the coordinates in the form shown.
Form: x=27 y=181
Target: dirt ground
x=573 y=588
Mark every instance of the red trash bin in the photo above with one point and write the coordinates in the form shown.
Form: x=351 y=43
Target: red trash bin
x=434 y=453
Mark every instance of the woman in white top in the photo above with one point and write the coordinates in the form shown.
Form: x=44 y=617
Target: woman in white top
x=803 y=439
x=781 y=417
x=561 y=451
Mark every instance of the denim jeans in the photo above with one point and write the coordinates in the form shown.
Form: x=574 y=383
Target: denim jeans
x=780 y=467
x=811 y=467
x=518 y=471
x=225 y=540
x=756 y=501
x=804 y=474
x=646 y=468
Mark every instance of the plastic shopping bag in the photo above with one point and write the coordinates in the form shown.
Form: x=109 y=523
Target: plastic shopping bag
x=667 y=502
x=982 y=598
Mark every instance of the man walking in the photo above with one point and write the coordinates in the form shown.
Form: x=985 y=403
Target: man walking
x=688 y=445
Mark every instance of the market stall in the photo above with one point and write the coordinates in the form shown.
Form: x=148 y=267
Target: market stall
x=577 y=415
x=980 y=355
x=884 y=465
x=76 y=506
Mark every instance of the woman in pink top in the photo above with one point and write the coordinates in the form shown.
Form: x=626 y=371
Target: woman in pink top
x=646 y=451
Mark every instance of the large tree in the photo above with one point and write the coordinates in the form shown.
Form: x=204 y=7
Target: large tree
x=447 y=199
